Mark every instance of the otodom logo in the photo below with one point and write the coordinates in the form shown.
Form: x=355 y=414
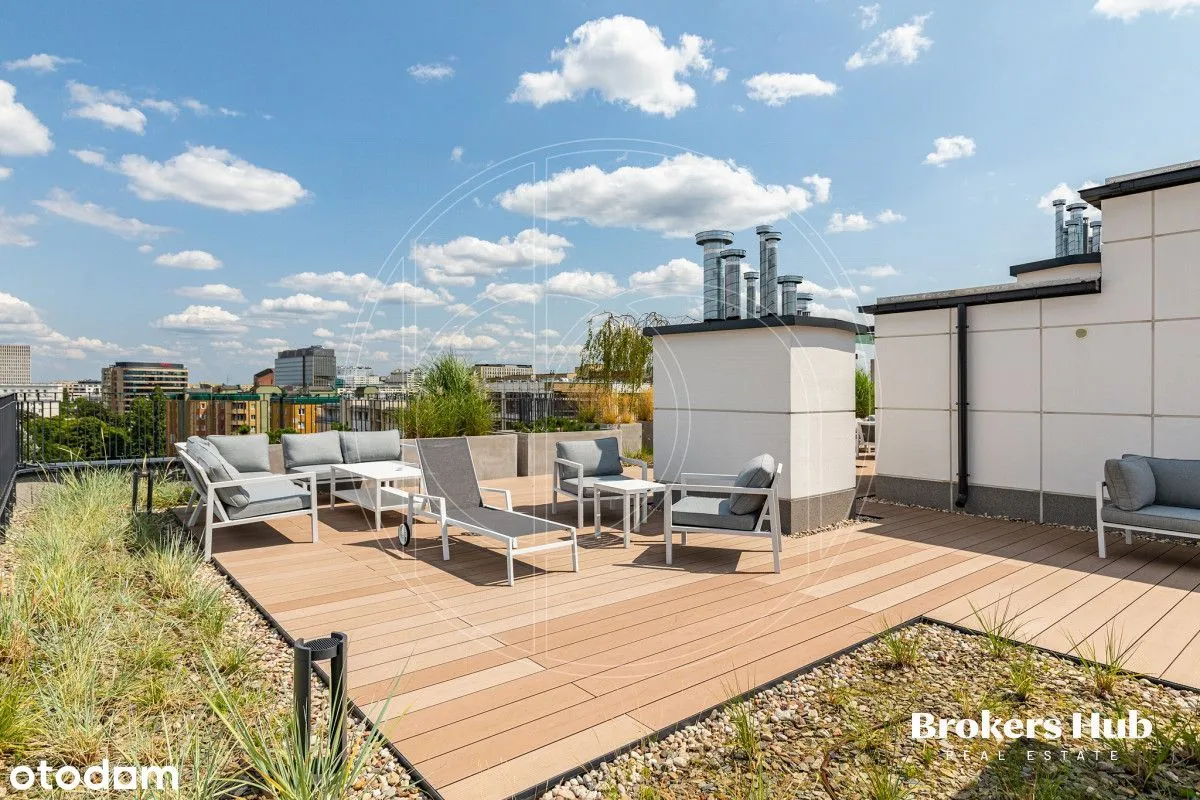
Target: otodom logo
x=100 y=777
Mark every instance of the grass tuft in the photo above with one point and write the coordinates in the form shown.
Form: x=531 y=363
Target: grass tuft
x=1105 y=671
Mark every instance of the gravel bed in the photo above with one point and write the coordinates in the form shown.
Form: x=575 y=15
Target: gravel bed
x=842 y=730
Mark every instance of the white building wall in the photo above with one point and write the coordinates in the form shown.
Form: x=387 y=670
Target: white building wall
x=1056 y=386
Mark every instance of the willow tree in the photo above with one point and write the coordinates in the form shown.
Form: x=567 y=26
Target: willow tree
x=617 y=352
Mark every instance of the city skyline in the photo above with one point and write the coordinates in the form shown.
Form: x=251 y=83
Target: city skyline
x=486 y=193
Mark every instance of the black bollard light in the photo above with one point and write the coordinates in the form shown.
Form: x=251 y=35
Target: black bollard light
x=332 y=648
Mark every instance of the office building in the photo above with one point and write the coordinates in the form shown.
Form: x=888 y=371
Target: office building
x=312 y=367
x=497 y=372
x=124 y=381
x=14 y=364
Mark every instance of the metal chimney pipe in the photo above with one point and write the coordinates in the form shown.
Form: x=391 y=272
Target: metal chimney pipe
x=768 y=269
x=752 y=309
x=713 y=243
x=787 y=285
x=1096 y=236
x=1087 y=235
x=732 y=257
x=1075 y=228
x=1060 y=233
x=803 y=303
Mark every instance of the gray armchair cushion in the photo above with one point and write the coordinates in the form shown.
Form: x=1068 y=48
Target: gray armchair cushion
x=1130 y=482
x=598 y=456
x=217 y=469
x=271 y=497
x=1176 y=481
x=1165 y=518
x=573 y=485
x=195 y=443
x=302 y=449
x=695 y=511
x=246 y=453
x=757 y=473
x=360 y=446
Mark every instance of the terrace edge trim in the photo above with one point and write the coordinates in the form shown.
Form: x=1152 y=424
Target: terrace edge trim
x=1015 y=295
x=963 y=448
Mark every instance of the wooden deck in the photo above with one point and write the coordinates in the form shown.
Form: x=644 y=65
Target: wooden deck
x=494 y=689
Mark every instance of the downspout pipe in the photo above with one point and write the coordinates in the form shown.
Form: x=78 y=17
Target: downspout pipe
x=963 y=450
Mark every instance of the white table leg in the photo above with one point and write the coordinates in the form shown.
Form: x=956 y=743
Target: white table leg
x=596 y=509
x=637 y=512
x=625 y=508
x=378 y=503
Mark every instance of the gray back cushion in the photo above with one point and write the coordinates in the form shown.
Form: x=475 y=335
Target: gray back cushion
x=1176 y=481
x=598 y=456
x=358 y=447
x=247 y=453
x=757 y=473
x=217 y=469
x=304 y=449
x=1131 y=483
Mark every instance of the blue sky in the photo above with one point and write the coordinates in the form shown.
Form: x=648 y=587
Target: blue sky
x=208 y=183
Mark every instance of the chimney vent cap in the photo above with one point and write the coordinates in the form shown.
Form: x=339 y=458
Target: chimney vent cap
x=725 y=237
x=1058 y=202
x=790 y=279
x=732 y=251
x=1078 y=204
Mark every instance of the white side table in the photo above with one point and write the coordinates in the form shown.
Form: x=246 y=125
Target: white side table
x=376 y=492
x=633 y=492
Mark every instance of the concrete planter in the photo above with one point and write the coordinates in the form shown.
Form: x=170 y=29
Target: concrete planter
x=495 y=455
x=535 y=451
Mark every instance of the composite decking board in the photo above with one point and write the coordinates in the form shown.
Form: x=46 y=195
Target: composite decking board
x=565 y=667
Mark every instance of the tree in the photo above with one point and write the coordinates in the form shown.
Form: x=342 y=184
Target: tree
x=617 y=352
x=147 y=424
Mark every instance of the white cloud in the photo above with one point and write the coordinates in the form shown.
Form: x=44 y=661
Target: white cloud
x=460 y=261
x=776 y=88
x=12 y=229
x=201 y=319
x=1065 y=192
x=40 y=62
x=590 y=285
x=431 y=72
x=112 y=109
x=881 y=271
x=626 y=61
x=212 y=291
x=299 y=305
x=822 y=187
x=61 y=202
x=166 y=107
x=512 y=292
x=408 y=294
x=511 y=319
x=678 y=196
x=212 y=177
x=868 y=15
x=90 y=157
x=195 y=106
x=719 y=74
x=848 y=223
x=494 y=329
x=1129 y=10
x=887 y=216
x=900 y=45
x=677 y=276
x=337 y=282
x=949 y=148
x=189 y=259
x=456 y=153
x=461 y=310
x=865 y=289
x=21 y=132
x=323 y=333
x=461 y=341
x=5 y=173
x=145 y=248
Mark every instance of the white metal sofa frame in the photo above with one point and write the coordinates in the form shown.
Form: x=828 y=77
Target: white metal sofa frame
x=1101 y=525
x=563 y=463
x=766 y=526
x=204 y=496
x=438 y=509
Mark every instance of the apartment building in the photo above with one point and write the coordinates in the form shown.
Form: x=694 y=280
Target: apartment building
x=124 y=381
x=499 y=372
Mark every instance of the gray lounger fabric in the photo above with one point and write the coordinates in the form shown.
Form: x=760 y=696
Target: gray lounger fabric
x=246 y=453
x=757 y=473
x=503 y=522
x=1161 y=517
x=271 y=497
x=303 y=449
x=709 y=512
x=449 y=471
x=598 y=456
x=360 y=446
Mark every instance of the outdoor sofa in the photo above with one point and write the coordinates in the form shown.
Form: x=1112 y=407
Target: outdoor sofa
x=578 y=465
x=1151 y=495
x=745 y=504
x=232 y=484
x=454 y=499
x=321 y=452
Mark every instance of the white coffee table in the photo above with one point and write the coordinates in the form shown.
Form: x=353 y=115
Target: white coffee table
x=630 y=489
x=375 y=492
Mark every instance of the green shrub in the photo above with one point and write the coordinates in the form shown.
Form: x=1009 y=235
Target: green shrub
x=450 y=401
x=864 y=394
x=555 y=425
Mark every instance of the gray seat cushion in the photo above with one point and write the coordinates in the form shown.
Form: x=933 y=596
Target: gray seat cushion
x=360 y=446
x=1167 y=518
x=598 y=456
x=1176 y=481
x=695 y=511
x=247 y=453
x=259 y=474
x=572 y=485
x=271 y=497
x=303 y=449
x=757 y=473
x=218 y=470
x=324 y=472
x=1130 y=482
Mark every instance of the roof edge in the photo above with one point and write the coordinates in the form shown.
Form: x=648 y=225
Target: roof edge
x=1051 y=263
x=1136 y=183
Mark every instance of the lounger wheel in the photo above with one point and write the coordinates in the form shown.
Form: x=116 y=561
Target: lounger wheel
x=404 y=533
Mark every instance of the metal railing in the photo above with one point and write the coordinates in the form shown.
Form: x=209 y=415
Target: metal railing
x=9 y=455
x=53 y=432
